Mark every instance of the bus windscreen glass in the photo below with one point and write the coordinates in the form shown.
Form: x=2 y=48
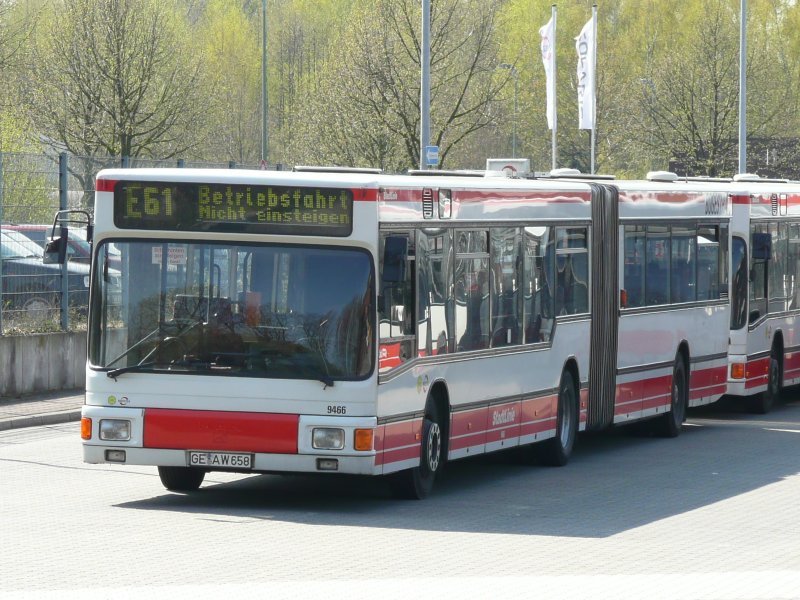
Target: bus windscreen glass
x=239 y=208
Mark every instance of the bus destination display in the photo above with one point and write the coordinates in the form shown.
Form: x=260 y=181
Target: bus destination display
x=224 y=207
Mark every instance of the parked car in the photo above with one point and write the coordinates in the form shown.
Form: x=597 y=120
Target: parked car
x=78 y=249
x=31 y=286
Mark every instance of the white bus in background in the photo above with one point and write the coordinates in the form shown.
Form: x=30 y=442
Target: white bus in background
x=333 y=321
x=765 y=290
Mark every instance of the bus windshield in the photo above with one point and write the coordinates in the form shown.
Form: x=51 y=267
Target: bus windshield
x=252 y=310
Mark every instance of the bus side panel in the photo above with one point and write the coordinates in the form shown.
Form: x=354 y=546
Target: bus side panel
x=649 y=341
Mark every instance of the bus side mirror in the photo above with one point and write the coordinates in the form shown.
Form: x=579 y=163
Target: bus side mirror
x=55 y=251
x=395 y=256
x=762 y=246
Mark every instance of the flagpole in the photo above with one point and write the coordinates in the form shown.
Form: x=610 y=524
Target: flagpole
x=594 y=79
x=743 y=88
x=555 y=104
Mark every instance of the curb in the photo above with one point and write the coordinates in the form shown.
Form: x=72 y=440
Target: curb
x=54 y=418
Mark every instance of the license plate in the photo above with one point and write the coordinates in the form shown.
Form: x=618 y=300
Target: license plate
x=222 y=460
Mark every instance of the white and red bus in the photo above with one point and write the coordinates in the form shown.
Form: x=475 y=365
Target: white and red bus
x=355 y=322
x=765 y=291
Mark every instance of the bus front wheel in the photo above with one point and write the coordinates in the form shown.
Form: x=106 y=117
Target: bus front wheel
x=762 y=403
x=417 y=483
x=181 y=479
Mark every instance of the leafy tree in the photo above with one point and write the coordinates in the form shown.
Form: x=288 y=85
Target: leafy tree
x=230 y=88
x=15 y=26
x=303 y=36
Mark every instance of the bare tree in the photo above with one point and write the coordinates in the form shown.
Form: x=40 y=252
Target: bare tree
x=13 y=33
x=368 y=110
x=691 y=98
x=117 y=78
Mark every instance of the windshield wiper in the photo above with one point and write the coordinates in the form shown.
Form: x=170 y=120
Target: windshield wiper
x=114 y=373
x=326 y=380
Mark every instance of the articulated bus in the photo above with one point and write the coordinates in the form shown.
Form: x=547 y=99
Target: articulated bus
x=764 y=350
x=343 y=321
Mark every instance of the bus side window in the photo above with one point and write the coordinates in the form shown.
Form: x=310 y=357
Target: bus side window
x=708 y=251
x=634 y=265
x=793 y=268
x=739 y=286
x=395 y=302
x=657 y=278
x=434 y=305
x=537 y=282
x=683 y=268
x=505 y=245
x=777 y=267
x=572 y=271
x=473 y=291
x=758 y=277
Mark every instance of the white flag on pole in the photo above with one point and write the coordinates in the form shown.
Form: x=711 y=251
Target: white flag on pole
x=584 y=44
x=548 y=58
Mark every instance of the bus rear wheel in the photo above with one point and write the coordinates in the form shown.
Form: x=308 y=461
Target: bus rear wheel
x=417 y=483
x=181 y=479
x=669 y=424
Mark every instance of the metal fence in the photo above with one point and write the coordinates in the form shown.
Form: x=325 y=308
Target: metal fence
x=38 y=297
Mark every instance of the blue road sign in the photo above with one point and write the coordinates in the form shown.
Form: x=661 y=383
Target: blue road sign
x=431 y=155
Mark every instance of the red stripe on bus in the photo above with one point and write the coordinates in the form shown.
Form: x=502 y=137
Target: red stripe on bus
x=468 y=428
x=217 y=430
x=657 y=386
x=365 y=195
x=716 y=390
x=469 y=196
x=644 y=394
x=710 y=376
x=396 y=440
x=708 y=382
x=468 y=441
x=740 y=198
x=401 y=454
x=538 y=414
x=649 y=403
x=532 y=197
x=791 y=361
x=105 y=185
x=756 y=372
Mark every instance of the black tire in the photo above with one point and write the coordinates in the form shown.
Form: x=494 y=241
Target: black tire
x=669 y=424
x=417 y=483
x=181 y=479
x=762 y=403
x=556 y=451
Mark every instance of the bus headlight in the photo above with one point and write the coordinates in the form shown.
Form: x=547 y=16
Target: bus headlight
x=118 y=430
x=327 y=438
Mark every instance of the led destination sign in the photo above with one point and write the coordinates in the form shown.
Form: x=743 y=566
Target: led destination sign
x=233 y=208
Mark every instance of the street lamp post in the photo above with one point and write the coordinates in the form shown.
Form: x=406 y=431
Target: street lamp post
x=515 y=75
x=264 y=97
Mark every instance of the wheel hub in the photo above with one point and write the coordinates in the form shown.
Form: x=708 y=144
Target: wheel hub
x=434 y=447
